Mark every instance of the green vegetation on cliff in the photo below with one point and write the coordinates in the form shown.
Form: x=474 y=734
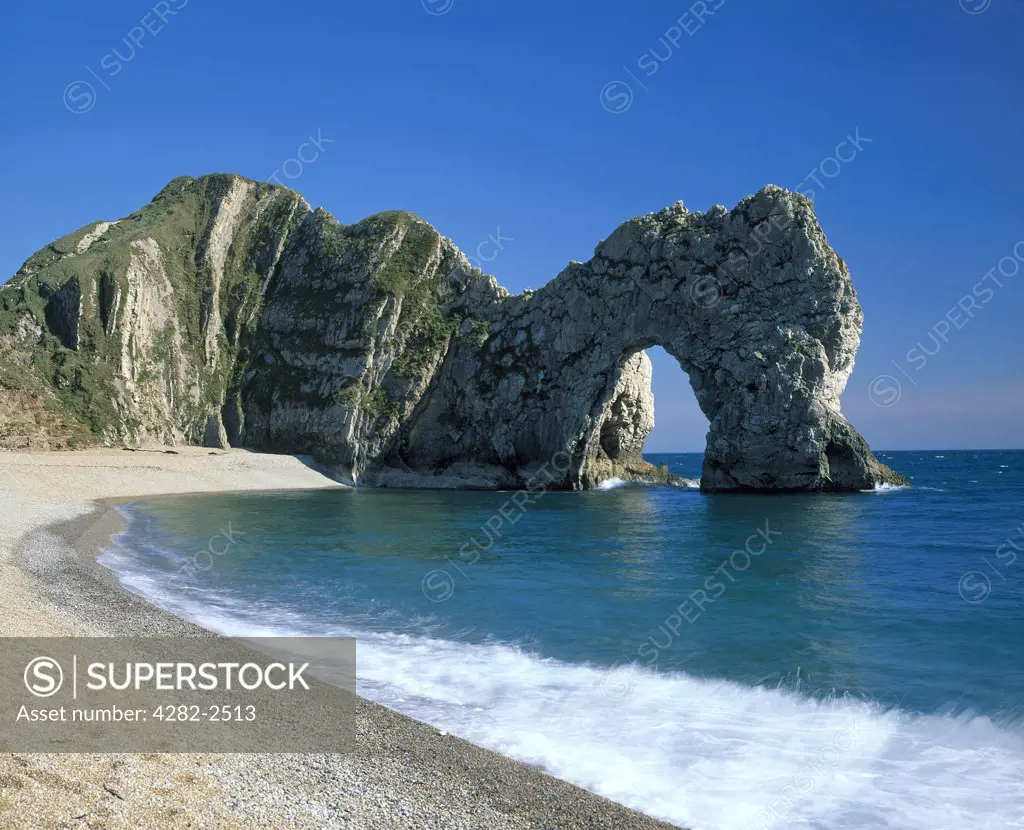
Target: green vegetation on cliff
x=409 y=277
x=82 y=302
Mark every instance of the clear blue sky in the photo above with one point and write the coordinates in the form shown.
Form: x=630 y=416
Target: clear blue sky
x=490 y=116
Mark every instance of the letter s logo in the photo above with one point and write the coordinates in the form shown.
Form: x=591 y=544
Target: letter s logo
x=43 y=676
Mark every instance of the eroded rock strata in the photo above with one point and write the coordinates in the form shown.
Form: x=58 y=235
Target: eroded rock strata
x=229 y=312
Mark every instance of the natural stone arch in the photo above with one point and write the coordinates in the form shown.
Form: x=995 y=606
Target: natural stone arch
x=753 y=303
x=231 y=310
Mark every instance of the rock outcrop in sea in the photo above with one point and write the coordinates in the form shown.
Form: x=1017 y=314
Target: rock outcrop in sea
x=229 y=312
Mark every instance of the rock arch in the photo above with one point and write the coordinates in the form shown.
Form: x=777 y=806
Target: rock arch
x=757 y=308
x=229 y=310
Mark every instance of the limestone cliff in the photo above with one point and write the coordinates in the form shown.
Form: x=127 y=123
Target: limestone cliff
x=228 y=311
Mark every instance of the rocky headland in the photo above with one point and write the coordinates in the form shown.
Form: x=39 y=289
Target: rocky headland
x=229 y=312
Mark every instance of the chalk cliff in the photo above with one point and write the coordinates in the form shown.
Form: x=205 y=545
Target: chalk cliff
x=230 y=312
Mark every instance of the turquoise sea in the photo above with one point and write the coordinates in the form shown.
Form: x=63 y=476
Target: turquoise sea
x=723 y=661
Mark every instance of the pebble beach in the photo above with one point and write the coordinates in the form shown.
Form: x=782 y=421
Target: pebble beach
x=58 y=512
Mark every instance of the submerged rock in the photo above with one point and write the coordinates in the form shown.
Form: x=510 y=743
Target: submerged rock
x=230 y=312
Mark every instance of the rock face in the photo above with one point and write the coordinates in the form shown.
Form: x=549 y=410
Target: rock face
x=230 y=312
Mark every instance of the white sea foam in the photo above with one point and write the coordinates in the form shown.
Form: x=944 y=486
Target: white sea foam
x=703 y=753
x=886 y=487
x=615 y=483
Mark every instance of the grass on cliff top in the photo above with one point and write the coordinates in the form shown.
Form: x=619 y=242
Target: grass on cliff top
x=83 y=379
x=402 y=275
x=406 y=273
x=59 y=248
x=411 y=276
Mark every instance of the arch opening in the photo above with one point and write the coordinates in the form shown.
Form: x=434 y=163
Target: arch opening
x=679 y=424
x=624 y=420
